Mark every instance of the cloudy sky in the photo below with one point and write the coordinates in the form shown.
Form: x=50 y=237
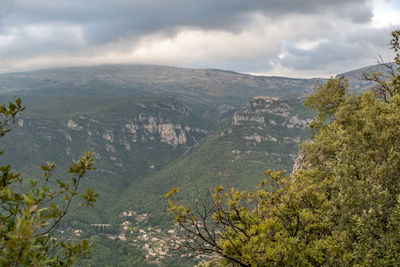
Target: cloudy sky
x=297 y=38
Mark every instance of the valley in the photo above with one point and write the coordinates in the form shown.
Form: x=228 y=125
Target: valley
x=152 y=128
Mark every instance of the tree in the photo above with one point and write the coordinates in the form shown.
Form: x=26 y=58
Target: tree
x=341 y=208
x=277 y=223
x=387 y=84
x=29 y=217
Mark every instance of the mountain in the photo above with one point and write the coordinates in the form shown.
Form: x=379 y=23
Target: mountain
x=152 y=128
x=262 y=135
x=130 y=137
x=356 y=78
x=188 y=85
x=144 y=146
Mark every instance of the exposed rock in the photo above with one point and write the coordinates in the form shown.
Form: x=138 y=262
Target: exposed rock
x=259 y=138
x=68 y=137
x=155 y=127
x=168 y=134
x=266 y=99
x=296 y=122
x=151 y=126
x=260 y=106
x=110 y=148
x=109 y=135
x=299 y=163
x=132 y=127
x=73 y=125
x=127 y=146
x=182 y=138
x=239 y=119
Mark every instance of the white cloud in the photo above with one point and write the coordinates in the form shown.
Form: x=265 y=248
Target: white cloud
x=305 y=39
x=386 y=14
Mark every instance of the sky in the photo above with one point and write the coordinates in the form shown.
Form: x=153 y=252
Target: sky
x=294 y=38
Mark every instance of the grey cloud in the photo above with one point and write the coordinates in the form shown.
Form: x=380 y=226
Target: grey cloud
x=105 y=21
x=341 y=49
x=119 y=25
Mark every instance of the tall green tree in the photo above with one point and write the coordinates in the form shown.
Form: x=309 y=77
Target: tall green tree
x=341 y=208
x=30 y=211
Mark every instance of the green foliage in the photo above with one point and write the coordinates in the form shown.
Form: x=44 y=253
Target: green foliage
x=340 y=209
x=28 y=217
x=278 y=223
x=8 y=113
x=326 y=100
x=387 y=84
x=360 y=152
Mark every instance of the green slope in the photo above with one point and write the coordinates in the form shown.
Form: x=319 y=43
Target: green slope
x=226 y=148
x=125 y=133
x=265 y=134
x=205 y=86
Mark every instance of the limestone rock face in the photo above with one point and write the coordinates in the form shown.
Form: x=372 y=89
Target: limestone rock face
x=295 y=121
x=271 y=125
x=157 y=128
x=240 y=119
x=73 y=125
x=168 y=134
x=259 y=138
x=68 y=137
x=141 y=132
x=151 y=125
x=260 y=107
x=299 y=164
x=109 y=135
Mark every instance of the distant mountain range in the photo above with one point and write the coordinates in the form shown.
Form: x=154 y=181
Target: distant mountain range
x=152 y=128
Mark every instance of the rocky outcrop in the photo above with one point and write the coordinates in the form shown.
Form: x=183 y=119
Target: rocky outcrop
x=130 y=136
x=276 y=111
x=168 y=133
x=271 y=119
x=259 y=138
x=239 y=119
x=295 y=121
x=73 y=125
x=299 y=164
x=157 y=128
x=109 y=135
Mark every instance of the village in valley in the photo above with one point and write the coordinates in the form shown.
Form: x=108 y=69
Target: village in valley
x=156 y=243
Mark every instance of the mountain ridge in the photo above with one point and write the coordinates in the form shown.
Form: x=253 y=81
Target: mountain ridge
x=152 y=133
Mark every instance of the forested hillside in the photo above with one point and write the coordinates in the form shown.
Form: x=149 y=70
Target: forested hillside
x=339 y=206
x=151 y=128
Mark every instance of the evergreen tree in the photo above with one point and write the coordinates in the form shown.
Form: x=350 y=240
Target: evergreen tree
x=341 y=208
